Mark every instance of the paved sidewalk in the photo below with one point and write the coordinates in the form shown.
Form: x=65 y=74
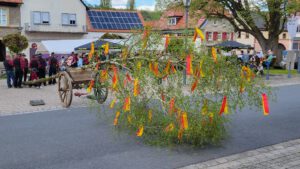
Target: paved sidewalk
x=16 y=101
x=280 y=156
x=282 y=80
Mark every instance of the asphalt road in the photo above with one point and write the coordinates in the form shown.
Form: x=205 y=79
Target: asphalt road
x=80 y=139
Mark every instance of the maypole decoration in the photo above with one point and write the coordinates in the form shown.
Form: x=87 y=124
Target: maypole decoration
x=153 y=102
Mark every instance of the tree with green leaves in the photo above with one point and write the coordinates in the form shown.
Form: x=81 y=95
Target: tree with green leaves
x=105 y=4
x=131 y=4
x=164 y=4
x=16 y=43
x=253 y=17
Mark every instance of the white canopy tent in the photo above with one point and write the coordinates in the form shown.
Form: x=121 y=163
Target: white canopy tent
x=64 y=46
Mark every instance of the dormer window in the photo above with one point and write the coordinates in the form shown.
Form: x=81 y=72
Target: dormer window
x=172 y=21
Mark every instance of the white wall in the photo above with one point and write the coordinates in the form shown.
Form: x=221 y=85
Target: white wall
x=55 y=30
x=55 y=8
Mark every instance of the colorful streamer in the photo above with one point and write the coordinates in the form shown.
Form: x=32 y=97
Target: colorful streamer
x=189 y=65
x=140 y=131
x=167 y=41
x=136 y=87
x=126 y=106
x=194 y=85
x=170 y=127
x=224 y=106
x=214 y=54
x=265 y=104
x=115 y=78
x=184 y=121
x=116 y=118
x=172 y=105
x=112 y=104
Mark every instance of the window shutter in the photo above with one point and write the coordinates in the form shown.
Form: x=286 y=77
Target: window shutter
x=224 y=36
x=215 y=36
x=207 y=36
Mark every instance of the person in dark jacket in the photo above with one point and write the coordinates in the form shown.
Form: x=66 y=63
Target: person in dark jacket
x=53 y=67
x=42 y=68
x=9 y=68
x=34 y=66
x=18 y=72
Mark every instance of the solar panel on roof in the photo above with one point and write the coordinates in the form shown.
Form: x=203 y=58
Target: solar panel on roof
x=115 y=20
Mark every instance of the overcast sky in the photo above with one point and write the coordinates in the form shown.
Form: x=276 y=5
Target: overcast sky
x=140 y=4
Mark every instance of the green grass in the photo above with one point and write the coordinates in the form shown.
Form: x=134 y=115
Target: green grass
x=281 y=72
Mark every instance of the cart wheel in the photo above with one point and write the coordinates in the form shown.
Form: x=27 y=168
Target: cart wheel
x=100 y=91
x=65 y=89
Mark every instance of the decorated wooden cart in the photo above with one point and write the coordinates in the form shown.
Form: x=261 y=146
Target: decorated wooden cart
x=74 y=78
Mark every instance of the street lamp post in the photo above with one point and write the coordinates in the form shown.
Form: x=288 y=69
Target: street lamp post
x=187 y=4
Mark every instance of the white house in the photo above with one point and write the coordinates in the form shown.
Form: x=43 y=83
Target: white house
x=52 y=20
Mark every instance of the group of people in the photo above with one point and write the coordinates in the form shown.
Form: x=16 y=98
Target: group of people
x=256 y=61
x=17 y=68
x=74 y=61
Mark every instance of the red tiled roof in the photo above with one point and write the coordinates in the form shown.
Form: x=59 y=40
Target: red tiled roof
x=162 y=23
x=12 y=1
x=91 y=29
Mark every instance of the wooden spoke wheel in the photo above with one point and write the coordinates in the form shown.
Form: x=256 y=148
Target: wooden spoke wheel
x=100 y=91
x=65 y=89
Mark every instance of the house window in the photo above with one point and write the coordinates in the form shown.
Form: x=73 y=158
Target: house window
x=239 y=35
x=68 y=19
x=219 y=36
x=41 y=18
x=210 y=36
x=172 y=21
x=298 y=28
x=3 y=17
x=284 y=36
x=295 y=46
x=228 y=36
x=247 y=35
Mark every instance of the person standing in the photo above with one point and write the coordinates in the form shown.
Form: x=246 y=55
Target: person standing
x=245 y=58
x=75 y=60
x=80 y=61
x=18 y=72
x=53 y=67
x=25 y=67
x=42 y=68
x=9 y=68
x=85 y=59
x=34 y=66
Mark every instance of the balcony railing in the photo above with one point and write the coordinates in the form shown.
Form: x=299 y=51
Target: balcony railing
x=58 y=28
